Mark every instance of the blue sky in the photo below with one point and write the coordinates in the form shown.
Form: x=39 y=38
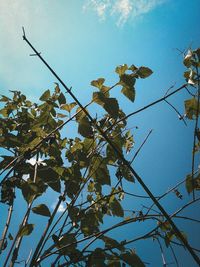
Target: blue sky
x=85 y=40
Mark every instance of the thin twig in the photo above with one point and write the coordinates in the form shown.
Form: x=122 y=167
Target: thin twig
x=149 y=105
x=137 y=152
x=181 y=117
x=162 y=253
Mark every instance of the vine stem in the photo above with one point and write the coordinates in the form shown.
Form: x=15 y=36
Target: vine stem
x=195 y=132
x=33 y=261
x=10 y=211
x=162 y=253
x=121 y=157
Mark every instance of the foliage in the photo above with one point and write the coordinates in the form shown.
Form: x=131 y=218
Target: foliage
x=84 y=171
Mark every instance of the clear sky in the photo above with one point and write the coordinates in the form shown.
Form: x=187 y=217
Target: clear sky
x=86 y=39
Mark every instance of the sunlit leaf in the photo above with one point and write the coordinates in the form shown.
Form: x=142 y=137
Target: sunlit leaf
x=121 y=69
x=26 y=230
x=144 y=72
x=98 y=83
x=191 y=108
x=57 y=88
x=60 y=115
x=45 y=95
x=68 y=107
x=133 y=68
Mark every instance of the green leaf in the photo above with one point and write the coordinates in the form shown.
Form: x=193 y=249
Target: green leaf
x=81 y=114
x=126 y=173
x=85 y=128
x=4 y=112
x=68 y=107
x=57 y=88
x=132 y=259
x=192 y=184
x=129 y=93
x=191 y=108
x=99 y=98
x=109 y=104
x=129 y=141
x=60 y=115
x=99 y=171
x=116 y=208
x=56 y=186
x=61 y=99
x=112 y=156
x=144 y=72
x=67 y=239
x=114 y=262
x=42 y=209
x=45 y=96
x=121 y=69
x=112 y=107
x=189 y=184
x=26 y=230
x=4 y=98
x=33 y=143
x=29 y=191
x=133 y=68
x=96 y=258
x=128 y=81
x=98 y=83
x=51 y=177
x=112 y=243
x=105 y=90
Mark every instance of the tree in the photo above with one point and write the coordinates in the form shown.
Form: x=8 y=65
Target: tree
x=88 y=172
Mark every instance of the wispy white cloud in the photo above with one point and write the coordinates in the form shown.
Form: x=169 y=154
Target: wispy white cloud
x=61 y=208
x=100 y=7
x=122 y=10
